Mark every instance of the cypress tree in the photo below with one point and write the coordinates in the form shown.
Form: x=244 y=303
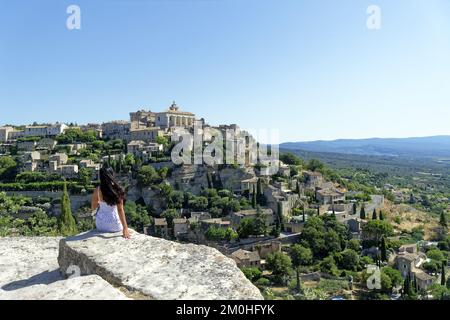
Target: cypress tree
x=185 y=200
x=443 y=220
x=354 y=209
x=303 y=215
x=208 y=178
x=259 y=192
x=297 y=188
x=260 y=222
x=443 y=273
x=362 y=212
x=374 y=214
x=66 y=222
x=378 y=260
x=408 y=290
x=258 y=187
x=415 y=287
x=119 y=165
x=280 y=215
x=383 y=249
x=381 y=216
x=277 y=224
x=254 y=198
x=318 y=211
x=406 y=285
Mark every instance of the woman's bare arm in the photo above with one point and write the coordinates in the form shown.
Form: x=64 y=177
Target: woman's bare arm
x=123 y=219
x=95 y=199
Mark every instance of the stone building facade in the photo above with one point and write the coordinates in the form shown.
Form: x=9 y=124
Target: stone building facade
x=173 y=117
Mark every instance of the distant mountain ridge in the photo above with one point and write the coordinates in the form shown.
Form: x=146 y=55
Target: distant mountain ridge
x=434 y=146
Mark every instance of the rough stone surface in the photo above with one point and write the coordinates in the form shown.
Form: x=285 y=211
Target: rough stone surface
x=231 y=178
x=156 y=268
x=29 y=270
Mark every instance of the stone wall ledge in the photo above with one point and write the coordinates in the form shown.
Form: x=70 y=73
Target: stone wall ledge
x=154 y=268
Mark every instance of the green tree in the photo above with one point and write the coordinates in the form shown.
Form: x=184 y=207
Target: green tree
x=386 y=282
x=315 y=165
x=137 y=216
x=394 y=275
x=381 y=215
x=176 y=199
x=253 y=274
x=85 y=176
x=280 y=265
x=291 y=159
x=443 y=272
x=362 y=212
x=147 y=176
x=431 y=266
x=300 y=256
x=129 y=162
x=435 y=254
x=170 y=214
x=162 y=140
x=259 y=188
x=374 y=230
x=439 y=292
x=260 y=222
x=67 y=225
x=349 y=259
x=199 y=203
x=383 y=249
x=354 y=209
x=443 y=220
x=254 y=202
x=332 y=241
x=328 y=265
x=220 y=234
x=374 y=214
x=246 y=228
x=8 y=168
x=324 y=235
x=407 y=285
x=279 y=215
x=353 y=244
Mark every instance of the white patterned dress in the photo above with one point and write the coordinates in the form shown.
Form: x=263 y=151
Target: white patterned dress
x=107 y=218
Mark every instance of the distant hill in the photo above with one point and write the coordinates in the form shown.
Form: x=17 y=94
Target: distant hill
x=428 y=147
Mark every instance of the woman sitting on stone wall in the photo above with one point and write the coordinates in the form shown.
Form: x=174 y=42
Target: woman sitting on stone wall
x=108 y=199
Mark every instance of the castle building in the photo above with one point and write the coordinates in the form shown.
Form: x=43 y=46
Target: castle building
x=142 y=119
x=173 y=117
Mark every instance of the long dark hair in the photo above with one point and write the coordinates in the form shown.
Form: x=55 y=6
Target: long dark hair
x=112 y=192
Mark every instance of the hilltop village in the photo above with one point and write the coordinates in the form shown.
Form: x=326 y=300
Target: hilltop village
x=297 y=233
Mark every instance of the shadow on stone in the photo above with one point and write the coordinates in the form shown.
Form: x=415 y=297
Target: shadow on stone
x=46 y=277
x=92 y=234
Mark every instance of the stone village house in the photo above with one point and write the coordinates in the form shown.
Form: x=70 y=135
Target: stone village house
x=409 y=261
x=246 y=259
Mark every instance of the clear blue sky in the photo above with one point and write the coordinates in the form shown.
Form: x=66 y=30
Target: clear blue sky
x=308 y=68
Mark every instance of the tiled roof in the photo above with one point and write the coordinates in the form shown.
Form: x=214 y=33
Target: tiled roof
x=422 y=276
x=160 y=222
x=243 y=255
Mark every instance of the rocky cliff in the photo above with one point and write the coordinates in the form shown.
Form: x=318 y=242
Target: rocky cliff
x=93 y=265
x=29 y=270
